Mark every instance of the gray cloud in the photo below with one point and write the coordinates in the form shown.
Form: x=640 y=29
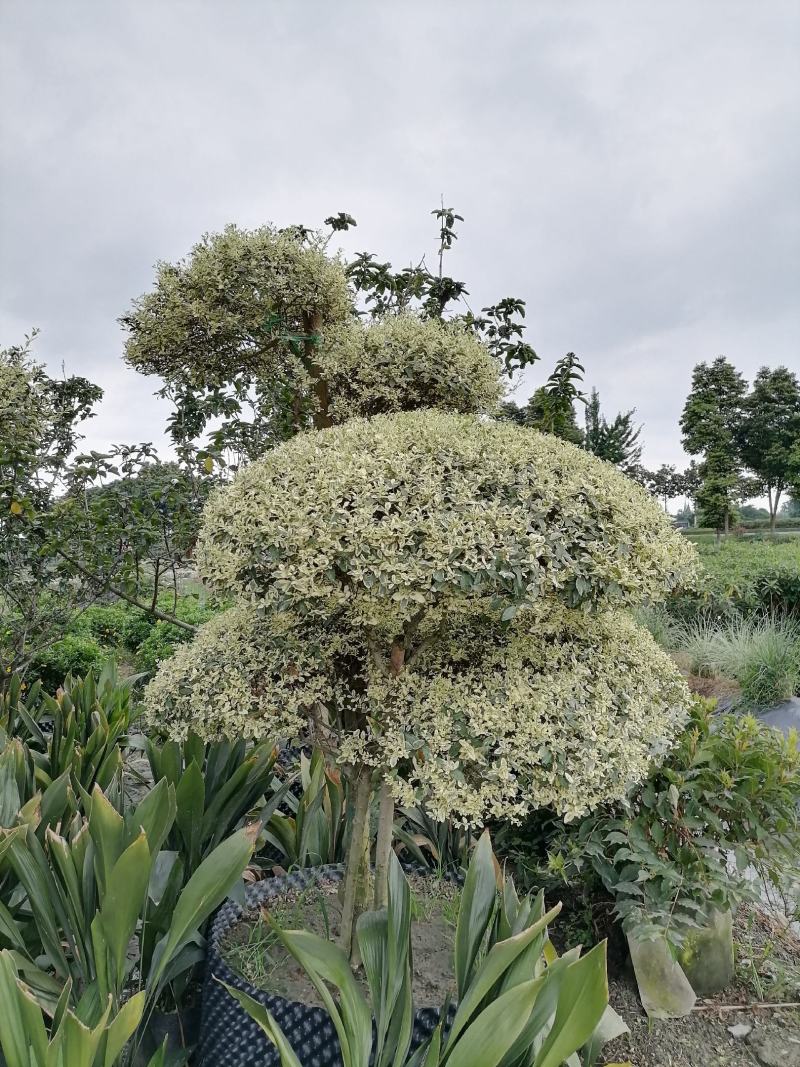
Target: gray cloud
x=630 y=170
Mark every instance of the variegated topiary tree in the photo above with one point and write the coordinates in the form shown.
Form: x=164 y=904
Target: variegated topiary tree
x=268 y=315
x=440 y=599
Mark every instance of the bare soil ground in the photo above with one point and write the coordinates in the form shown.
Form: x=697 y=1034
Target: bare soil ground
x=732 y=1029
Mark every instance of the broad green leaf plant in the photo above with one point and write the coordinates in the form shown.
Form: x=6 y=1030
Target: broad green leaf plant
x=518 y=1004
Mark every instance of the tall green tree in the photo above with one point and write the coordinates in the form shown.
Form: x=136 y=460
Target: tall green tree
x=617 y=441
x=77 y=527
x=709 y=424
x=768 y=434
x=551 y=407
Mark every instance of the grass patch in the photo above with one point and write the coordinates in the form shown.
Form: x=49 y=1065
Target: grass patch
x=760 y=653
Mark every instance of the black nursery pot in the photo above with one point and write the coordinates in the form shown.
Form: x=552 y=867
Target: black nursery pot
x=230 y=1038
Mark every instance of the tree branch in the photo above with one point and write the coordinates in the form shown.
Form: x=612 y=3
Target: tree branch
x=107 y=587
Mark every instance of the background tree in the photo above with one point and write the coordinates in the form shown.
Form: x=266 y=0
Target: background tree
x=616 y=442
x=551 y=408
x=664 y=483
x=769 y=431
x=709 y=424
x=76 y=528
x=39 y=421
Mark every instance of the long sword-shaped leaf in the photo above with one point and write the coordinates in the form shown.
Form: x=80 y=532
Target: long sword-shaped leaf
x=259 y=1014
x=123 y=902
x=478 y=901
x=582 y=999
x=122 y=1027
x=13 y=1028
x=610 y=1027
x=324 y=962
x=486 y=1040
x=206 y=889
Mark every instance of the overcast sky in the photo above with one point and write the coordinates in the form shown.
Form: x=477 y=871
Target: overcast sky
x=631 y=170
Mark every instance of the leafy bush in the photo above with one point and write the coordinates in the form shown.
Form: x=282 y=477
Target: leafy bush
x=106 y=623
x=161 y=641
x=162 y=638
x=751 y=576
x=659 y=622
x=75 y=654
x=730 y=787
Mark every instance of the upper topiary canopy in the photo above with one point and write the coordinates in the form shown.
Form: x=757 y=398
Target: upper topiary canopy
x=390 y=516
x=403 y=362
x=241 y=302
x=271 y=311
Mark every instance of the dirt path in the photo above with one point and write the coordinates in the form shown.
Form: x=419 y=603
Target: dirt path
x=703 y=1039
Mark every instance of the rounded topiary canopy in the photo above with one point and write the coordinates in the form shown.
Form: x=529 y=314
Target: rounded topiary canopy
x=390 y=516
x=561 y=708
x=241 y=302
x=403 y=362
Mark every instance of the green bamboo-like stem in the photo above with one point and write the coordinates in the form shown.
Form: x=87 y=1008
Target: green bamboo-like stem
x=383 y=846
x=357 y=866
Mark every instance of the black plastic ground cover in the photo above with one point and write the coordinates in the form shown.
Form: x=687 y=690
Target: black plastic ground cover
x=230 y=1038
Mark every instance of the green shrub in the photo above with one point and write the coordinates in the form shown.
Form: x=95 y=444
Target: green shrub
x=106 y=623
x=728 y=789
x=74 y=654
x=768 y=668
x=752 y=576
x=159 y=645
x=162 y=638
x=657 y=619
x=137 y=629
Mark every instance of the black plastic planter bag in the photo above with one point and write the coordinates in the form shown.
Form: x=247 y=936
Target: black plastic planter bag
x=230 y=1038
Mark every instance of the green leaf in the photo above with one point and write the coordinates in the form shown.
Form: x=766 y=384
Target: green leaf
x=155 y=815
x=14 y=1020
x=123 y=902
x=259 y=1014
x=489 y=1037
x=190 y=798
x=610 y=1027
x=106 y=827
x=325 y=962
x=582 y=999
x=206 y=889
x=122 y=1027
x=478 y=901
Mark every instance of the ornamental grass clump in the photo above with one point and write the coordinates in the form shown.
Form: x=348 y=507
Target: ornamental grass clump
x=440 y=601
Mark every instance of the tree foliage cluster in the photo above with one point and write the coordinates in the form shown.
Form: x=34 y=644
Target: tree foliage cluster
x=748 y=438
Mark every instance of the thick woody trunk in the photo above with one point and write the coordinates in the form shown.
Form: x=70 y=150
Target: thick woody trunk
x=357 y=875
x=311 y=325
x=383 y=846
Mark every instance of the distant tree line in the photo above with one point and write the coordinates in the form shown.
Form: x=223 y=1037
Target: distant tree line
x=747 y=439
